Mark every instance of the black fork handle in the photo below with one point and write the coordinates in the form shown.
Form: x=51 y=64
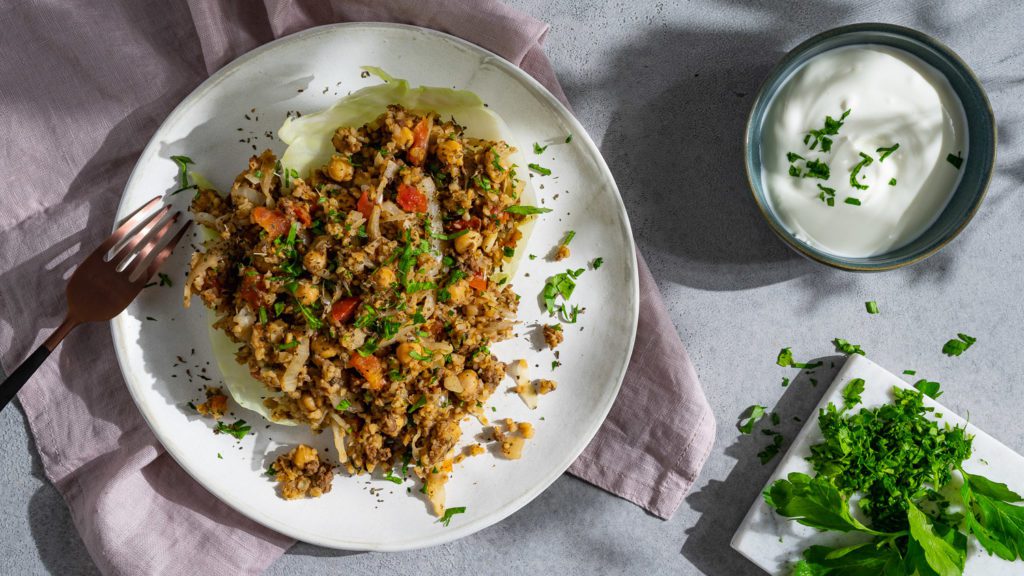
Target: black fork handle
x=9 y=388
x=22 y=374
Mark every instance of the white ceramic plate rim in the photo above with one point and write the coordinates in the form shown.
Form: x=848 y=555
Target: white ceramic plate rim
x=253 y=512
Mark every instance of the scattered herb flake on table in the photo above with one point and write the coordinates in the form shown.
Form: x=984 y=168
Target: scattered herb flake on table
x=785 y=359
x=956 y=160
x=958 y=345
x=846 y=348
x=754 y=414
x=871 y=306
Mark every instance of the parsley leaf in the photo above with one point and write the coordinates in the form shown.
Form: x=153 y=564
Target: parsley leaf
x=941 y=555
x=851 y=393
x=871 y=306
x=929 y=389
x=813 y=502
x=538 y=149
x=956 y=161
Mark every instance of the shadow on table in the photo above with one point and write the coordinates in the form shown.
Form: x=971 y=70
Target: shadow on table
x=681 y=99
x=723 y=504
x=60 y=548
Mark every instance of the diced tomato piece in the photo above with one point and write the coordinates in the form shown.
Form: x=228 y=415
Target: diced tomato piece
x=411 y=199
x=371 y=369
x=365 y=205
x=302 y=215
x=478 y=283
x=252 y=289
x=420 y=137
x=273 y=221
x=343 y=310
x=472 y=224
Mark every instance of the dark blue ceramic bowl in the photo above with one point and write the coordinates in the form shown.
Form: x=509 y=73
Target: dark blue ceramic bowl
x=981 y=129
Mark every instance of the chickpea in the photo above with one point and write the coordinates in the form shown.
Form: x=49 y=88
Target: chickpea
x=459 y=291
x=304 y=455
x=307 y=293
x=450 y=152
x=468 y=242
x=384 y=277
x=308 y=403
x=405 y=351
x=340 y=169
x=470 y=383
x=315 y=261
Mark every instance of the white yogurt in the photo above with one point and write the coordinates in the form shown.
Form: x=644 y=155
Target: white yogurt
x=893 y=98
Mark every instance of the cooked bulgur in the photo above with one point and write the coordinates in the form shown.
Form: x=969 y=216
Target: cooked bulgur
x=364 y=294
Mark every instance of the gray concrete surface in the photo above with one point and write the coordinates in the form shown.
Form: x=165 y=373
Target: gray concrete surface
x=664 y=89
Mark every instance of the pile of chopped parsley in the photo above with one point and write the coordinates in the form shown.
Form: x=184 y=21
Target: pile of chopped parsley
x=900 y=463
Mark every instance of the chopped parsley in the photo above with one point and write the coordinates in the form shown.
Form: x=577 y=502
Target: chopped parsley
x=958 y=345
x=956 y=161
x=865 y=161
x=183 y=176
x=871 y=306
x=288 y=345
x=343 y=405
x=597 y=263
x=263 y=315
x=910 y=372
x=831 y=128
x=390 y=477
x=539 y=169
x=568 y=139
x=449 y=513
x=526 y=210
x=892 y=181
x=754 y=414
x=418 y=404
x=816 y=169
x=827 y=195
x=165 y=280
x=772 y=450
x=785 y=359
x=886 y=152
x=239 y=429
x=270 y=471
x=538 y=149
x=846 y=348
x=852 y=201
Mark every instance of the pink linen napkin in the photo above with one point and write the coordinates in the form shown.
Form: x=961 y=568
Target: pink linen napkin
x=84 y=89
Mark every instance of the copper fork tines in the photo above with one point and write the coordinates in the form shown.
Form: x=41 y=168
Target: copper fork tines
x=108 y=280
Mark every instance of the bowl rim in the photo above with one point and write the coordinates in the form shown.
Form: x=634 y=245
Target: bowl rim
x=946 y=52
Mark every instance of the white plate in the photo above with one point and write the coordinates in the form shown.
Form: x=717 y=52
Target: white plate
x=308 y=72
x=775 y=543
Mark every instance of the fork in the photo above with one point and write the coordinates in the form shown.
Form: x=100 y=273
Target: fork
x=106 y=282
